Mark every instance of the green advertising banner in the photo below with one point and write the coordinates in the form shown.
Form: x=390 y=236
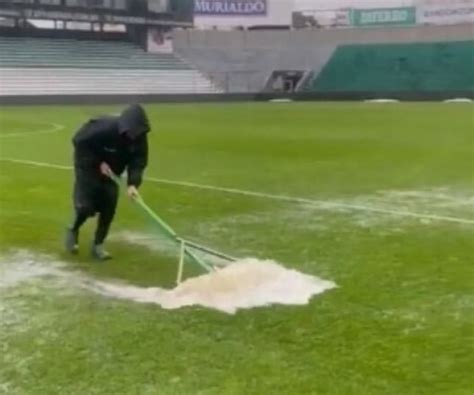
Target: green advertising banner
x=384 y=16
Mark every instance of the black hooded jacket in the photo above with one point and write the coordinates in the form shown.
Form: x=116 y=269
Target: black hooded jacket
x=120 y=141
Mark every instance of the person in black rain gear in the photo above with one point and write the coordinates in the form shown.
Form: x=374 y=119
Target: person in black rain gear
x=103 y=147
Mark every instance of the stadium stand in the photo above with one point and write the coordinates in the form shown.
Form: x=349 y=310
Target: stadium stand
x=242 y=61
x=247 y=70
x=420 y=67
x=32 y=66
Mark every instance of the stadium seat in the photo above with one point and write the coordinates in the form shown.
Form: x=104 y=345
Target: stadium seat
x=60 y=66
x=398 y=67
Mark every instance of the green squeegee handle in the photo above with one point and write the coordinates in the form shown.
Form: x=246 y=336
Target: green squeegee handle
x=169 y=231
x=164 y=226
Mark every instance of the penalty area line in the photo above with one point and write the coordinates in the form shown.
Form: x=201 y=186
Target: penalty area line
x=322 y=204
x=56 y=127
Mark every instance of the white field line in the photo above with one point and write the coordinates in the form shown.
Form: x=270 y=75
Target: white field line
x=56 y=127
x=36 y=164
x=316 y=203
x=319 y=203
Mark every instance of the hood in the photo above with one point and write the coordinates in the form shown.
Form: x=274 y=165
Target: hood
x=133 y=121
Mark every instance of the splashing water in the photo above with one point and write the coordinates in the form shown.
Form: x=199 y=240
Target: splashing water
x=245 y=284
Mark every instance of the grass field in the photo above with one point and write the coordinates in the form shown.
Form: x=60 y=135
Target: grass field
x=378 y=198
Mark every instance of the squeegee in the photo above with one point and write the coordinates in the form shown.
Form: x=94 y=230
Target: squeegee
x=185 y=246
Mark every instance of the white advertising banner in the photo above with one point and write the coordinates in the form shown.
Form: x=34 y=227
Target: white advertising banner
x=229 y=14
x=445 y=12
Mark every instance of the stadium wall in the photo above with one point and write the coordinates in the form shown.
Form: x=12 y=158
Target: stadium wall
x=241 y=61
x=227 y=98
x=237 y=39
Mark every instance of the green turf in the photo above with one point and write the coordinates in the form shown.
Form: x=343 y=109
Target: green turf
x=401 y=321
